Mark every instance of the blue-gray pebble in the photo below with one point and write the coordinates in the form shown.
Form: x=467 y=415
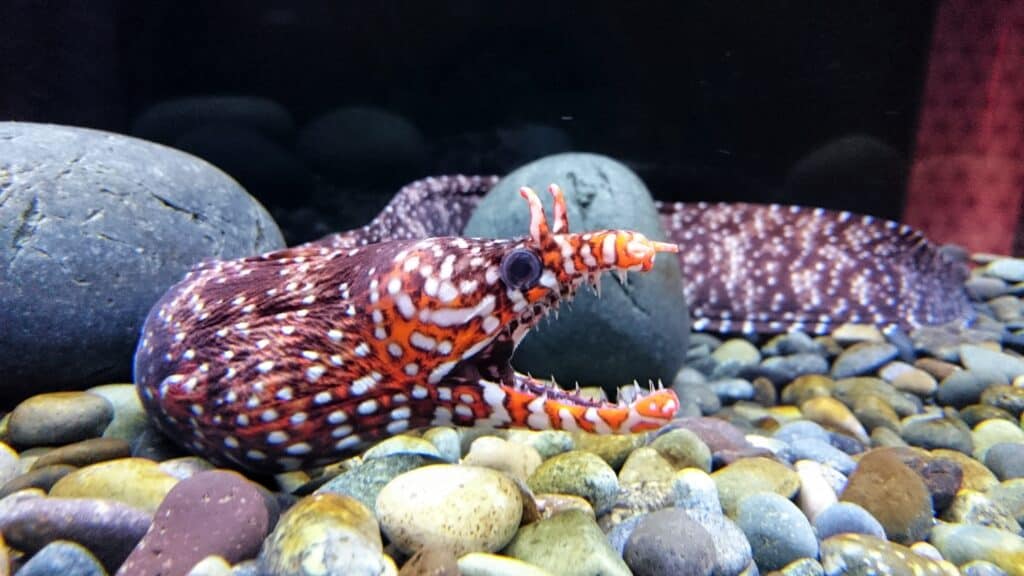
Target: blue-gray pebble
x=1006 y=460
x=64 y=558
x=669 y=542
x=777 y=530
x=843 y=517
x=822 y=452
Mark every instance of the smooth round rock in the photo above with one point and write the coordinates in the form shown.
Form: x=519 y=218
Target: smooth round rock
x=84 y=453
x=639 y=333
x=864 y=554
x=446 y=440
x=695 y=490
x=58 y=418
x=749 y=476
x=135 y=481
x=612 y=448
x=782 y=369
x=1006 y=460
x=460 y=508
x=1009 y=398
x=846 y=517
x=732 y=550
x=816 y=494
x=402 y=444
x=365 y=481
x=975 y=476
x=683 y=449
x=581 y=474
x=546 y=442
x=108 y=529
x=211 y=566
x=983 y=359
x=10 y=464
x=106 y=223
x=938 y=431
x=863 y=358
x=962 y=543
x=129 y=416
x=42 y=478
x=516 y=460
x=212 y=513
x=1010 y=496
x=778 y=532
x=480 y=564
x=893 y=493
x=964 y=387
x=823 y=453
x=988 y=433
x=970 y=507
x=64 y=558
x=568 y=544
x=645 y=464
x=669 y=542
x=325 y=534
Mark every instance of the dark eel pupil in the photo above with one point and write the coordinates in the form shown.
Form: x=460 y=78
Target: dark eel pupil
x=521 y=268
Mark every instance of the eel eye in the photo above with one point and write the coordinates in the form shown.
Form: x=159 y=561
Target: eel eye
x=521 y=268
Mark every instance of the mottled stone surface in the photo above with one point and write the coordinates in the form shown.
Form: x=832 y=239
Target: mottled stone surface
x=106 y=223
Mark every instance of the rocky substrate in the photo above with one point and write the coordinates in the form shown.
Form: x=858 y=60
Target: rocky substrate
x=853 y=453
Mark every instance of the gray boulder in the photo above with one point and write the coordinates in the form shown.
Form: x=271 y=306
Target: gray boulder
x=639 y=331
x=94 y=227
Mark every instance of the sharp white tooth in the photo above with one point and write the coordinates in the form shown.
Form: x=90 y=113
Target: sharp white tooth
x=622 y=276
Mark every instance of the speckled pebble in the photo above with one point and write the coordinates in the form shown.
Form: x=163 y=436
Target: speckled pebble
x=846 y=517
x=694 y=489
x=776 y=529
x=749 y=476
x=568 y=544
x=962 y=543
x=108 y=529
x=669 y=542
x=971 y=507
x=135 y=481
x=365 y=481
x=516 y=460
x=461 y=508
x=732 y=550
x=64 y=558
x=212 y=513
x=431 y=561
x=579 y=473
x=58 y=418
x=683 y=449
x=862 y=554
x=645 y=464
x=803 y=567
x=325 y=534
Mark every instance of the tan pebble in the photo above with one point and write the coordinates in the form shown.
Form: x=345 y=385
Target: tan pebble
x=806 y=387
x=479 y=564
x=516 y=460
x=937 y=368
x=134 y=481
x=851 y=333
x=550 y=504
x=833 y=414
x=815 y=492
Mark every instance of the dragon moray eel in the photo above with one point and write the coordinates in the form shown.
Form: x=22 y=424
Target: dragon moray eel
x=304 y=356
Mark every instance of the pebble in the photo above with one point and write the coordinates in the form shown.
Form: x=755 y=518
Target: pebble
x=185 y=466
x=833 y=414
x=872 y=411
x=326 y=534
x=65 y=558
x=792 y=343
x=975 y=414
x=732 y=550
x=864 y=554
x=975 y=475
x=970 y=507
x=962 y=543
x=568 y=544
x=211 y=566
x=1010 y=496
x=42 y=478
x=695 y=490
x=931 y=431
x=446 y=440
x=983 y=359
x=981 y=568
x=965 y=387
x=135 y=481
x=848 y=390
x=212 y=513
x=480 y=564
x=1008 y=269
x=893 y=493
x=737 y=351
x=402 y=444
x=853 y=333
x=645 y=464
x=1006 y=460
x=717 y=434
x=777 y=530
x=669 y=542
x=846 y=517
x=613 y=449
x=823 y=453
x=10 y=464
x=365 y=481
x=984 y=288
x=85 y=453
x=1009 y=398
x=683 y=449
x=803 y=567
x=816 y=495
x=579 y=473
x=460 y=508
x=108 y=529
x=129 y=415
x=547 y=443
x=428 y=561
x=517 y=460
x=863 y=358
x=749 y=476
x=806 y=387
x=800 y=430
x=915 y=381
x=782 y=369
x=58 y=418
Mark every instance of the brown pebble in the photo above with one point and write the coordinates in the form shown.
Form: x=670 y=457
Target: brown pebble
x=85 y=453
x=431 y=561
x=42 y=478
x=938 y=368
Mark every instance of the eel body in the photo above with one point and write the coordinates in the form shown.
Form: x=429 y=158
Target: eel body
x=304 y=356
